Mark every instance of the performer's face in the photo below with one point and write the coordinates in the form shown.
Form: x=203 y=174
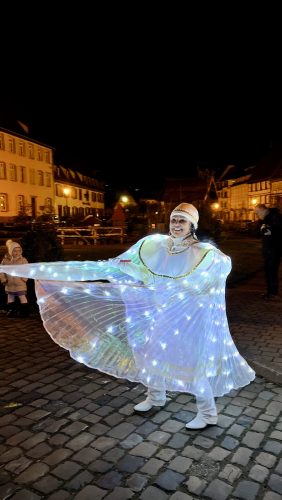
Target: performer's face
x=179 y=226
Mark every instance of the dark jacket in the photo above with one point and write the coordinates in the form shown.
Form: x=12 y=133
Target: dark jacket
x=271 y=230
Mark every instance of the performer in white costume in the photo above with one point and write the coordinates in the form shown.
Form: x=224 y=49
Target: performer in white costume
x=159 y=320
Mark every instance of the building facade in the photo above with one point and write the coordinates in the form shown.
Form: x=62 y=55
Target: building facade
x=32 y=186
x=238 y=197
x=77 y=195
x=26 y=176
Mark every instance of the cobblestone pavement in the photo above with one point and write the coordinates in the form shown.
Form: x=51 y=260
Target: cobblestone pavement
x=69 y=432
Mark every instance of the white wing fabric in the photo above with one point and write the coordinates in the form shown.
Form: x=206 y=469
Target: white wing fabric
x=159 y=320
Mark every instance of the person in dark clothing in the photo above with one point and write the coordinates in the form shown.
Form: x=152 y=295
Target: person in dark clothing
x=271 y=231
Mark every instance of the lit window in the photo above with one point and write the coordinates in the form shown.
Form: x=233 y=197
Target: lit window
x=20 y=203
x=21 y=148
x=22 y=174
x=48 y=179
x=3 y=202
x=31 y=151
x=3 y=173
x=13 y=172
x=11 y=145
x=32 y=176
x=40 y=178
x=2 y=142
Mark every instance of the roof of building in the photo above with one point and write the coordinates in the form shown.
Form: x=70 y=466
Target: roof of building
x=269 y=167
x=19 y=129
x=69 y=176
x=190 y=190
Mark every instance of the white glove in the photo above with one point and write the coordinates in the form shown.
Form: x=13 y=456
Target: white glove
x=265 y=230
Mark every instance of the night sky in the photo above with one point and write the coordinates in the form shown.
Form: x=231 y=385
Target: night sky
x=123 y=144
x=132 y=120
x=144 y=93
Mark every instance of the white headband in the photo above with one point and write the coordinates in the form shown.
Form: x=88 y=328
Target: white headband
x=185 y=215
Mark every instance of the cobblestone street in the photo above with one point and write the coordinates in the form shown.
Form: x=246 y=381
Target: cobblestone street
x=69 y=432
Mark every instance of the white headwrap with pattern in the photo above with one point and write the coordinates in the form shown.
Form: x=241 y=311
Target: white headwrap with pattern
x=187 y=211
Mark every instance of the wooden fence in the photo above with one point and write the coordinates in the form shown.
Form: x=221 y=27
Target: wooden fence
x=90 y=236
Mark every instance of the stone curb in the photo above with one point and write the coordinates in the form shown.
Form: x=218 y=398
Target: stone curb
x=273 y=373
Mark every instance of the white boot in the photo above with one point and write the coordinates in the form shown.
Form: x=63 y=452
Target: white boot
x=207 y=414
x=154 y=398
x=201 y=421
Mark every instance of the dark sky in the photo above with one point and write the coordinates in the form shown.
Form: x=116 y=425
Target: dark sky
x=130 y=139
x=125 y=94
x=133 y=114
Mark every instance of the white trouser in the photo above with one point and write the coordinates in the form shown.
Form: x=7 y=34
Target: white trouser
x=205 y=403
x=206 y=406
x=156 y=395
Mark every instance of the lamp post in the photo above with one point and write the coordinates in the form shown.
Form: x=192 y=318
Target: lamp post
x=66 y=192
x=254 y=202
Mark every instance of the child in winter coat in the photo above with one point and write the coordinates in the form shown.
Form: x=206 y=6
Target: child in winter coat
x=15 y=286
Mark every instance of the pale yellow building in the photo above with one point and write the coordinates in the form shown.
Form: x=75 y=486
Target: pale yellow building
x=259 y=192
x=276 y=192
x=26 y=176
x=77 y=195
x=31 y=185
x=238 y=197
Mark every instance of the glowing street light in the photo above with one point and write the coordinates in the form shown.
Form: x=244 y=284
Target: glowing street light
x=254 y=201
x=215 y=206
x=124 y=199
x=66 y=192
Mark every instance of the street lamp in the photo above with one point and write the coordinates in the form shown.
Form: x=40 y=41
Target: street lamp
x=215 y=206
x=124 y=199
x=66 y=192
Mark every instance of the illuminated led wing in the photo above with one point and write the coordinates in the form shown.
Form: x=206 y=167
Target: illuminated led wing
x=170 y=335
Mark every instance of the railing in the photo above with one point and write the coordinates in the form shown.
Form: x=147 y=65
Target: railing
x=90 y=236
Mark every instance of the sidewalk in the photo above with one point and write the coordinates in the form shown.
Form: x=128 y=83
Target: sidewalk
x=68 y=432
